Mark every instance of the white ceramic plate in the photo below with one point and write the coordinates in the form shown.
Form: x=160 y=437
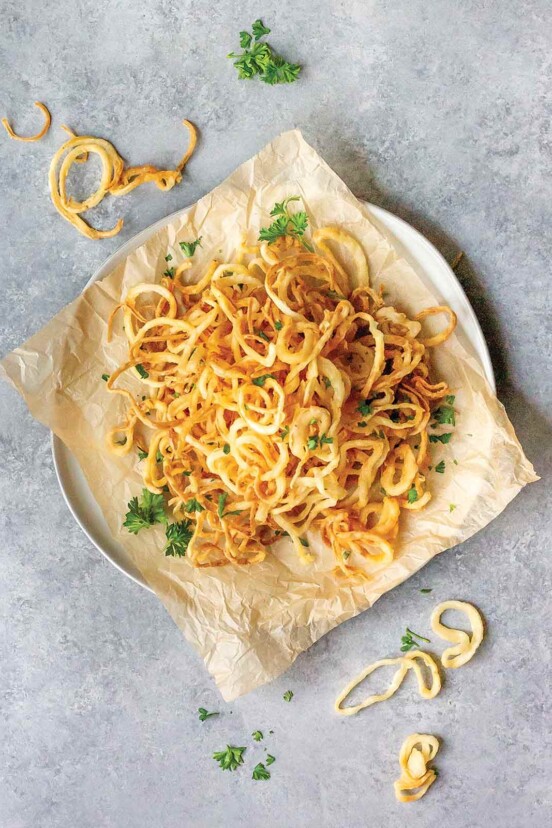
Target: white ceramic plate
x=426 y=260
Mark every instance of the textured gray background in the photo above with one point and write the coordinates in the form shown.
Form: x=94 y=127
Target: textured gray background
x=435 y=109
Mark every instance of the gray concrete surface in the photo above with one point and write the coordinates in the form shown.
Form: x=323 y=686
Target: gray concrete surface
x=437 y=110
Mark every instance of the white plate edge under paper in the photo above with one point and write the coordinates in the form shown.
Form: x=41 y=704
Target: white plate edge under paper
x=426 y=260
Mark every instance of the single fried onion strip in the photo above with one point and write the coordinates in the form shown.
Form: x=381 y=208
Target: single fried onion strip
x=465 y=646
x=407 y=662
x=417 y=751
x=30 y=138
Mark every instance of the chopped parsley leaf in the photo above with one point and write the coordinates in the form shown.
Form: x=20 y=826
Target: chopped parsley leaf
x=412 y=495
x=284 y=433
x=226 y=448
x=170 y=271
x=452 y=507
x=189 y=248
x=203 y=714
x=312 y=443
x=440 y=438
x=257 y=735
x=178 y=536
x=303 y=542
x=168 y=257
x=327 y=382
x=142 y=371
x=231 y=758
x=364 y=408
x=260 y=381
x=193 y=505
x=260 y=772
x=286 y=224
x=270 y=759
x=146 y=511
x=288 y=695
x=426 y=590
x=105 y=377
x=440 y=467
x=262 y=335
x=408 y=640
x=278 y=325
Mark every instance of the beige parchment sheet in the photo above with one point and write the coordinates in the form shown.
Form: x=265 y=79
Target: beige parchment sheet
x=250 y=623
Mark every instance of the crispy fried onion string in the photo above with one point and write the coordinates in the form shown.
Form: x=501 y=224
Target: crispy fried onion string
x=116 y=179
x=272 y=387
x=407 y=662
x=416 y=778
x=30 y=138
x=465 y=646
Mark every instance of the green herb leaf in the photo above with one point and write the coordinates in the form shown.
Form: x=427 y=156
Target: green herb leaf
x=222 y=498
x=452 y=507
x=142 y=371
x=444 y=415
x=189 y=248
x=203 y=714
x=284 y=433
x=312 y=443
x=257 y=735
x=304 y=542
x=325 y=440
x=193 y=505
x=231 y=758
x=226 y=448
x=278 y=325
x=362 y=424
x=105 y=377
x=260 y=772
x=408 y=640
x=259 y=30
x=142 y=454
x=170 y=271
x=346 y=555
x=178 y=537
x=262 y=335
x=260 y=381
x=412 y=495
x=270 y=759
x=327 y=382
x=286 y=224
x=440 y=467
x=450 y=399
x=364 y=408
x=288 y=695
x=426 y=590
x=440 y=438
x=279 y=70
x=245 y=40
x=146 y=511
x=168 y=257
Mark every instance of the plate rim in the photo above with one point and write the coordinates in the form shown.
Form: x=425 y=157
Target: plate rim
x=478 y=342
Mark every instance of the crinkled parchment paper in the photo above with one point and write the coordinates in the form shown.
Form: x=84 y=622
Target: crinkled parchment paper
x=250 y=623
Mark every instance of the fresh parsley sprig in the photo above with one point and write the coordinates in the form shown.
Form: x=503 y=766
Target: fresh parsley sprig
x=231 y=758
x=408 y=640
x=204 y=714
x=144 y=512
x=257 y=735
x=260 y=772
x=258 y=58
x=178 y=537
x=189 y=248
x=286 y=224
